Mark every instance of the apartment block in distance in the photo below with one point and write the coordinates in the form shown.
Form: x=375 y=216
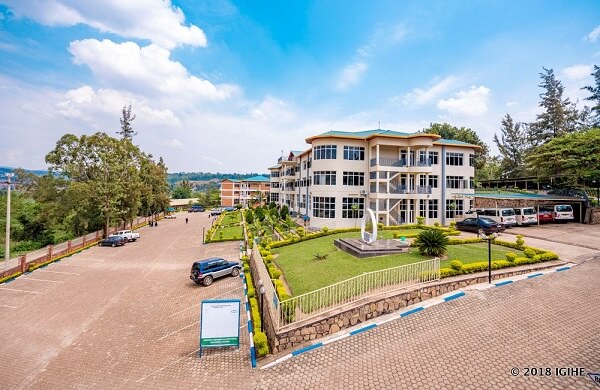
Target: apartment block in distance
x=244 y=192
x=398 y=175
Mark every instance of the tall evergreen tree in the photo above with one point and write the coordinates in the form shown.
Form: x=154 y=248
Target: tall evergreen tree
x=127 y=131
x=594 y=117
x=513 y=147
x=560 y=115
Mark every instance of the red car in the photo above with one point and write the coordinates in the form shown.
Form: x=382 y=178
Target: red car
x=546 y=214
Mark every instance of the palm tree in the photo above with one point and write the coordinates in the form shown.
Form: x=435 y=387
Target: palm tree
x=432 y=243
x=259 y=198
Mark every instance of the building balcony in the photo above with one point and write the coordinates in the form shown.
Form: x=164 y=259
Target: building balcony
x=402 y=189
x=401 y=165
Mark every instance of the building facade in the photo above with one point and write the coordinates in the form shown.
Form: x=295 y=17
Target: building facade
x=246 y=192
x=400 y=176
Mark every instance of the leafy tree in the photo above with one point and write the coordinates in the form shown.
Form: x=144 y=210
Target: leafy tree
x=183 y=190
x=560 y=115
x=594 y=98
x=463 y=134
x=491 y=170
x=513 y=147
x=574 y=154
x=432 y=242
x=284 y=212
x=127 y=131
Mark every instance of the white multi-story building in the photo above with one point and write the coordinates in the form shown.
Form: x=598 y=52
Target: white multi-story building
x=400 y=176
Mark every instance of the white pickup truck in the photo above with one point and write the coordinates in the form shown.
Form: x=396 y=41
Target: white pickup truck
x=127 y=234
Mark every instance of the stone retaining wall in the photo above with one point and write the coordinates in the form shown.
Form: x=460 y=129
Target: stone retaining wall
x=309 y=330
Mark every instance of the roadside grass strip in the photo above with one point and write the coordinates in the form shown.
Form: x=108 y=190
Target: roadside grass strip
x=394 y=316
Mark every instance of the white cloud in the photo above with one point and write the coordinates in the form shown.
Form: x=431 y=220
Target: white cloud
x=352 y=74
x=471 y=102
x=156 y=20
x=593 y=36
x=175 y=143
x=577 y=72
x=420 y=96
x=510 y=104
x=147 y=70
x=89 y=106
x=272 y=109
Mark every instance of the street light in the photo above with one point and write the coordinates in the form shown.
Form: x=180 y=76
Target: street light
x=7 y=242
x=489 y=240
x=262 y=300
x=260 y=297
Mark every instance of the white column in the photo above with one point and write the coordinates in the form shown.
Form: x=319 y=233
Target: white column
x=408 y=156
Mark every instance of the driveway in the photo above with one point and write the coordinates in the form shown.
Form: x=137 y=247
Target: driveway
x=575 y=234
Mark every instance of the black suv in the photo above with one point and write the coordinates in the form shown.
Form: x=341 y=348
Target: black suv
x=205 y=271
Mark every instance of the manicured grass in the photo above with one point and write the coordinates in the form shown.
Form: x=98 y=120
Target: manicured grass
x=304 y=273
x=231 y=217
x=229 y=233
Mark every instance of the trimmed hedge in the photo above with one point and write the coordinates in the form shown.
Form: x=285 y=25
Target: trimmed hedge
x=10 y=277
x=260 y=343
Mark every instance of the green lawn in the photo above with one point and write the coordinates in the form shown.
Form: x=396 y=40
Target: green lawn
x=304 y=274
x=232 y=217
x=229 y=233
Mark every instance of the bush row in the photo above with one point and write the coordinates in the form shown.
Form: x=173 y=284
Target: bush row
x=260 y=339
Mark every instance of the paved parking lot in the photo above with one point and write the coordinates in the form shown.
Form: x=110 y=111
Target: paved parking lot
x=128 y=318
x=125 y=317
x=577 y=234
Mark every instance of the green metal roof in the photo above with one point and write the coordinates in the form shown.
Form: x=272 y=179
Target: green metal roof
x=258 y=178
x=446 y=141
x=364 y=133
x=519 y=195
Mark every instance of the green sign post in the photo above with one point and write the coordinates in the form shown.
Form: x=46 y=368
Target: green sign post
x=219 y=323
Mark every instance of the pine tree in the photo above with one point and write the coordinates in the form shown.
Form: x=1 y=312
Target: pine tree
x=559 y=116
x=513 y=147
x=126 y=129
x=594 y=117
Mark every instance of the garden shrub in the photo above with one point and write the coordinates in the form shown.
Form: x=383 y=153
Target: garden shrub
x=447 y=272
x=507 y=244
x=459 y=241
x=524 y=260
x=269 y=258
x=456 y=265
x=520 y=240
x=436 y=224
x=432 y=242
x=546 y=256
x=325 y=229
x=453 y=225
x=261 y=344
x=246 y=267
x=497 y=264
x=420 y=221
x=274 y=272
x=537 y=258
x=254 y=312
x=528 y=252
x=395 y=235
x=510 y=256
x=475 y=267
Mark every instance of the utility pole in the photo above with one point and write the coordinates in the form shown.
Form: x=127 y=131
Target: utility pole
x=7 y=242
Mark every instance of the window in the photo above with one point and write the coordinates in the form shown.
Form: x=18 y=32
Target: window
x=324 y=178
x=433 y=158
x=303 y=201
x=274 y=197
x=454 y=181
x=433 y=181
x=348 y=212
x=274 y=184
x=325 y=152
x=471 y=160
x=454 y=159
x=304 y=165
x=309 y=163
x=422 y=207
x=422 y=180
x=433 y=208
x=454 y=208
x=323 y=207
x=354 y=153
x=354 y=178
x=275 y=174
x=471 y=182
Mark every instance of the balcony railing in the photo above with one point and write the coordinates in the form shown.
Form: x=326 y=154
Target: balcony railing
x=402 y=189
x=403 y=162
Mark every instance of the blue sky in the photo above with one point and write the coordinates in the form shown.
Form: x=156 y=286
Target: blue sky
x=226 y=86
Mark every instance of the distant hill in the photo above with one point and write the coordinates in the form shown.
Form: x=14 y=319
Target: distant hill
x=5 y=170
x=173 y=178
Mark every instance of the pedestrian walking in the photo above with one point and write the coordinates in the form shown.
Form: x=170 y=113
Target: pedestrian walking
x=186 y=221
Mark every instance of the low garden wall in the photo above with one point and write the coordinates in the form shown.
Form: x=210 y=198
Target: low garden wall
x=303 y=332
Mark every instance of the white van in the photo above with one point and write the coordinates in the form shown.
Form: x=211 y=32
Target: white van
x=563 y=212
x=526 y=216
x=504 y=216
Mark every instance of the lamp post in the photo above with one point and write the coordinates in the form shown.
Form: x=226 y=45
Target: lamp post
x=260 y=299
x=489 y=240
x=7 y=242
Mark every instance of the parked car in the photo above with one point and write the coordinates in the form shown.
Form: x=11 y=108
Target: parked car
x=526 y=216
x=206 y=271
x=196 y=209
x=546 y=214
x=216 y=211
x=170 y=216
x=481 y=225
x=563 y=213
x=505 y=216
x=129 y=235
x=229 y=208
x=113 y=241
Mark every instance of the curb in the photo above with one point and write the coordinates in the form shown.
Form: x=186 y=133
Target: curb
x=413 y=310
